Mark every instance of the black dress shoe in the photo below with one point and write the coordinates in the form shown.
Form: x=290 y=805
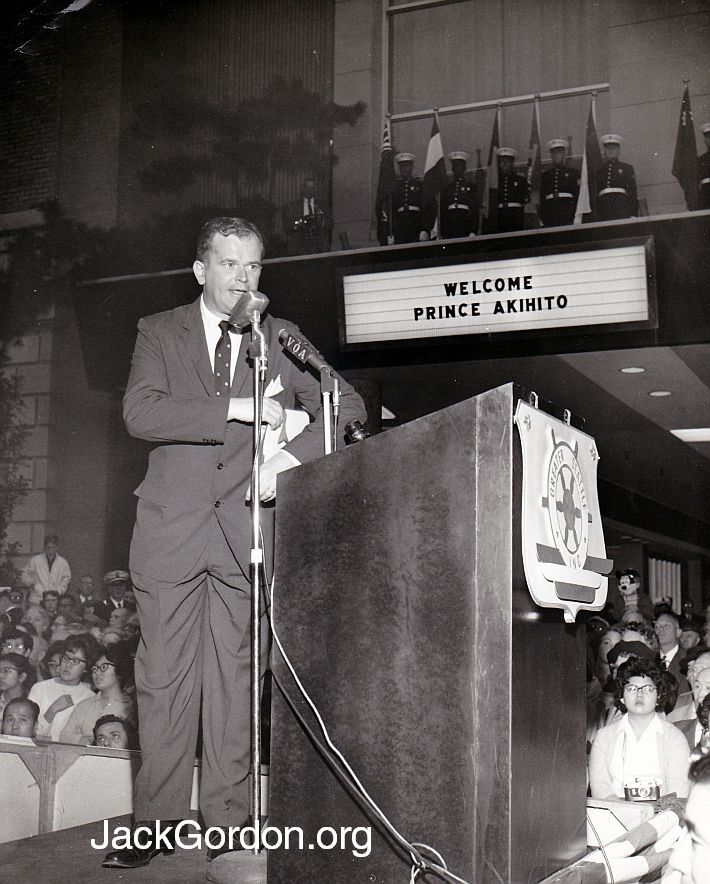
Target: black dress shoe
x=135 y=857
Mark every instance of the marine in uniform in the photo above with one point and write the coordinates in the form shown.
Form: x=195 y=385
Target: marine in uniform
x=615 y=183
x=458 y=200
x=559 y=188
x=704 y=172
x=408 y=222
x=512 y=193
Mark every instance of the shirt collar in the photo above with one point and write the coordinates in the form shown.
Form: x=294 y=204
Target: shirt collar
x=656 y=725
x=669 y=656
x=208 y=317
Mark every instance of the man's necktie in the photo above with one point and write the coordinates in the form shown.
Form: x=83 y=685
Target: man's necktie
x=222 y=361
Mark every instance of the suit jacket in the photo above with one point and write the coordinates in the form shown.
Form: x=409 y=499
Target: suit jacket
x=307 y=234
x=104 y=609
x=201 y=465
x=687 y=727
x=674 y=669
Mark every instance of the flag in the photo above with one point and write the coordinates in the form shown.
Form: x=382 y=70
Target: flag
x=385 y=185
x=535 y=159
x=490 y=185
x=434 y=177
x=591 y=160
x=685 y=159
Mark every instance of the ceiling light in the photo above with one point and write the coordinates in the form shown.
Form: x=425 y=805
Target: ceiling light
x=632 y=369
x=659 y=393
x=693 y=434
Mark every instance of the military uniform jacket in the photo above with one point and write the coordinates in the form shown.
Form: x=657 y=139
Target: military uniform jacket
x=512 y=191
x=200 y=466
x=704 y=181
x=458 y=207
x=407 y=201
x=559 y=190
x=616 y=190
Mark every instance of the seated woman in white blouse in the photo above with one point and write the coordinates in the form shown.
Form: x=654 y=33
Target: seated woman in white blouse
x=640 y=756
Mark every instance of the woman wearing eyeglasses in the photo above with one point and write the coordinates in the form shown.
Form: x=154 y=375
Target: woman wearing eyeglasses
x=57 y=697
x=641 y=756
x=110 y=674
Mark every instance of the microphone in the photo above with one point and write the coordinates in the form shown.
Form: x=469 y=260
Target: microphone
x=247 y=305
x=303 y=351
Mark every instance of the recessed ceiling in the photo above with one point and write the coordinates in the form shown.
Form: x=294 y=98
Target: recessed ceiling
x=666 y=369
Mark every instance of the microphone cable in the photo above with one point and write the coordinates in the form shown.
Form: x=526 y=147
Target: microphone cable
x=340 y=765
x=331 y=753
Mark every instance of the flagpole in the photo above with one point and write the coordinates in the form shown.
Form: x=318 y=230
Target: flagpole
x=390 y=234
x=685 y=155
x=438 y=193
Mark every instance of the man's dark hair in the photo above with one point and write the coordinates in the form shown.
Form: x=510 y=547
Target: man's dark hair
x=226 y=226
x=27 y=639
x=700 y=771
x=25 y=702
x=131 y=732
x=51 y=538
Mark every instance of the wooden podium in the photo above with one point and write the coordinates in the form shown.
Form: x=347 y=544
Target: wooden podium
x=401 y=600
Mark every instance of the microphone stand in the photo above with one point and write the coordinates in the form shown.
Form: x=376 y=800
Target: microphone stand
x=330 y=393
x=258 y=353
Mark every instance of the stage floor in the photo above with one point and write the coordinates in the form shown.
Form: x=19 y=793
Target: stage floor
x=67 y=857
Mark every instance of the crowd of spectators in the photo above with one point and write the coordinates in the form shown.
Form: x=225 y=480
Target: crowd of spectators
x=648 y=700
x=67 y=654
x=66 y=674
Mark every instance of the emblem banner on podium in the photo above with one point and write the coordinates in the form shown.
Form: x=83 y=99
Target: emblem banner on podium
x=564 y=554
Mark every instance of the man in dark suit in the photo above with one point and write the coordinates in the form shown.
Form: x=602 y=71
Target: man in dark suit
x=84 y=591
x=188 y=391
x=667 y=629
x=117 y=583
x=307 y=222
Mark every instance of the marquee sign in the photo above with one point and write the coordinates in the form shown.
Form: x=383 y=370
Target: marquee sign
x=574 y=288
x=564 y=555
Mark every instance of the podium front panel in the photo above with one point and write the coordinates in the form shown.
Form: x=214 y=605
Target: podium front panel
x=401 y=601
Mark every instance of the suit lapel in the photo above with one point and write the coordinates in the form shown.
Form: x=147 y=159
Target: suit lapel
x=197 y=347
